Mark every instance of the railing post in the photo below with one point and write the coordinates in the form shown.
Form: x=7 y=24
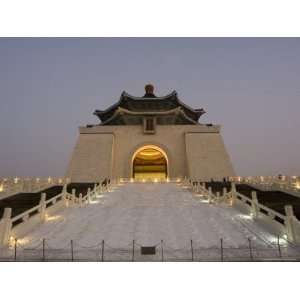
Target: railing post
x=80 y=199
x=233 y=193
x=209 y=195
x=224 y=191
x=95 y=190
x=218 y=196
x=64 y=196
x=89 y=195
x=289 y=223
x=5 y=227
x=43 y=207
x=198 y=188
x=254 y=205
x=73 y=195
x=193 y=187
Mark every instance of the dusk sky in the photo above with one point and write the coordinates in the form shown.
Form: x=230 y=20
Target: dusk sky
x=51 y=86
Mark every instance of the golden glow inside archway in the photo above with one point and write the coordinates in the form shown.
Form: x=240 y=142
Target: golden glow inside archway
x=150 y=162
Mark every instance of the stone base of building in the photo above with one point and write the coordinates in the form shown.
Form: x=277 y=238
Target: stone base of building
x=195 y=151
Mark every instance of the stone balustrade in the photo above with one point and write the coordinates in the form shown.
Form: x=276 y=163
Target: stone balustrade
x=287 y=226
x=21 y=224
x=12 y=186
x=289 y=184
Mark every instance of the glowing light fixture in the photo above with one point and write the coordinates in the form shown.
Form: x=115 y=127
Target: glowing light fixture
x=12 y=239
x=52 y=218
x=204 y=201
x=246 y=217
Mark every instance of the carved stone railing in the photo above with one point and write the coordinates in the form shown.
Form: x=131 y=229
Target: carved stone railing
x=287 y=225
x=12 y=186
x=19 y=225
x=288 y=184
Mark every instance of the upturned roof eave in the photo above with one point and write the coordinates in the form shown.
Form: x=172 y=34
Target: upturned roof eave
x=121 y=111
x=101 y=113
x=125 y=94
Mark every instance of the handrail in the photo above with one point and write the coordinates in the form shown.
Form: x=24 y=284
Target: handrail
x=25 y=213
x=275 y=213
x=269 y=210
x=68 y=195
x=244 y=198
x=54 y=198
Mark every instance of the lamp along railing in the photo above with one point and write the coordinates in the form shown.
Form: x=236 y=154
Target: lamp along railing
x=12 y=186
x=24 y=222
x=286 y=225
x=288 y=184
x=264 y=186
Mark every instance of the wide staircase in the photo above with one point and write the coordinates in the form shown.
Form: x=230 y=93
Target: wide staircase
x=275 y=200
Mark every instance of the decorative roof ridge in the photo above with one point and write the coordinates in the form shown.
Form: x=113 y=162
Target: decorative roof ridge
x=124 y=94
x=173 y=93
x=121 y=110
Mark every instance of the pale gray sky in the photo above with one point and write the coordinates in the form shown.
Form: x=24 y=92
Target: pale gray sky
x=50 y=86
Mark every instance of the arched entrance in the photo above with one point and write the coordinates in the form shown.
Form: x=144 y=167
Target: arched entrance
x=150 y=162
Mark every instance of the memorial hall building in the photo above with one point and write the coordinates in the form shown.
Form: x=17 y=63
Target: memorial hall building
x=149 y=137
